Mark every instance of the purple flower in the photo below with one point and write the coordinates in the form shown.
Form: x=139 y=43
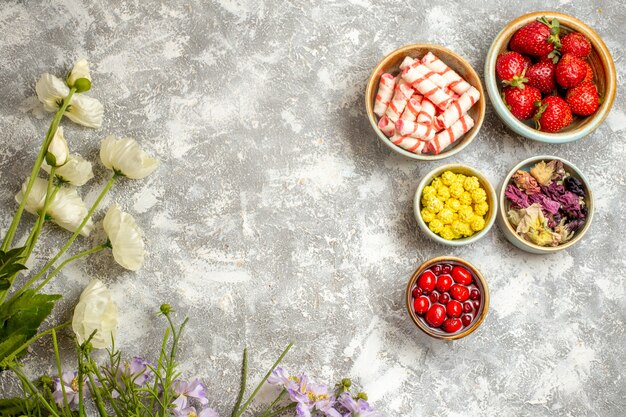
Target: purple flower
x=547 y=204
x=191 y=412
x=312 y=399
x=281 y=378
x=184 y=390
x=357 y=408
x=69 y=380
x=138 y=371
x=517 y=197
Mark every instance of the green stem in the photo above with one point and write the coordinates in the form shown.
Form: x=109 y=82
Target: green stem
x=282 y=410
x=67 y=261
x=65 y=247
x=96 y=393
x=8 y=238
x=7 y=361
x=81 y=379
x=24 y=379
x=242 y=388
x=57 y=357
x=269 y=409
x=267 y=375
x=50 y=195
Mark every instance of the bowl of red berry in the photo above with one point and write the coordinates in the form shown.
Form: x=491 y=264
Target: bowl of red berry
x=550 y=77
x=447 y=298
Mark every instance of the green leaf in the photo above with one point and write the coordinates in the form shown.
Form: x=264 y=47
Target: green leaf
x=13 y=407
x=21 y=316
x=10 y=266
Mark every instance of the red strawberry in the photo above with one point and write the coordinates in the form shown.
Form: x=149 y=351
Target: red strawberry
x=553 y=114
x=541 y=76
x=589 y=75
x=510 y=68
x=570 y=71
x=551 y=57
x=536 y=38
x=577 y=44
x=521 y=101
x=583 y=99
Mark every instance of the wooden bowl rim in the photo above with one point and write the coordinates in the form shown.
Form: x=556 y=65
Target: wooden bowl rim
x=598 y=45
x=441 y=52
x=484 y=297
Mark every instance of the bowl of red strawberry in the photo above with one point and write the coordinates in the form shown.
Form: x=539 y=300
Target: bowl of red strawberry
x=447 y=298
x=550 y=77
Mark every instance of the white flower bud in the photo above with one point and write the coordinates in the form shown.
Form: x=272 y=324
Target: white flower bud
x=58 y=151
x=95 y=311
x=79 y=77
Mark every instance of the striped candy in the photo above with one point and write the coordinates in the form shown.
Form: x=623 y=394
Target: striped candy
x=415 y=130
x=406 y=62
x=419 y=76
x=412 y=108
x=386 y=126
x=454 y=80
x=458 y=108
x=384 y=94
x=402 y=94
x=446 y=137
x=409 y=143
x=427 y=112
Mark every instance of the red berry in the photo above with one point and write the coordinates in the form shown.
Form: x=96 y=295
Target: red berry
x=435 y=315
x=553 y=114
x=461 y=275
x=577 y=44
x=521 y=101
x=541 y=76
x=466 y=319
x=511 y=67
x=459 y=292
x=444 y=298
x=553 y=58
x=444 y=282
x=454 y=309
x=536 y=38
x=445 y=269
x=589 y=75
x=426 y=281
x=437 y=269
x=474 y=294
x=452 y=325
x=570 y=71
x=421 y=305
x=467 y=307
x=476 y=304
x=433 y=297
x=583 y=99
x=417 y=291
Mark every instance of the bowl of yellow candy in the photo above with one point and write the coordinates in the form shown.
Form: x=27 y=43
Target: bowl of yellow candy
x=455 y=205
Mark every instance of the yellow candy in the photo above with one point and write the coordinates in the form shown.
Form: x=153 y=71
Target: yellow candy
x=436 y=183
x=455 y=216
x=481 y=208
x=427 y=215
x=479 y=195
x=453 y=204
x=447 y=233
x=448 y=178
x=435 y=226
x=456 y=189
x=477 y=224
x=466 y=198
x=460 y=178
x=445 y=215
x=471 y=183
x=443 y=192
x=434 y=204
x=429 y=191
x=465 y=213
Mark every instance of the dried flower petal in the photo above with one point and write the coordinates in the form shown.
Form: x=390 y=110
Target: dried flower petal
x=526 y=182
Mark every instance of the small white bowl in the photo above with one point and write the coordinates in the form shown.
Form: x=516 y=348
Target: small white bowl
x=492 y=200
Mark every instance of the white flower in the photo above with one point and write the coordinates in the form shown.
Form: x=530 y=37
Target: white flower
x=76 y=171
x=80 y=70
x=125 y=157
x=95 y=311
x=125 y=238
x=58 y=151
x=84 y=110
x=66 y=209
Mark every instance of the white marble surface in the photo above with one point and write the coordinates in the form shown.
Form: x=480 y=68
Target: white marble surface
x=277 y=214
